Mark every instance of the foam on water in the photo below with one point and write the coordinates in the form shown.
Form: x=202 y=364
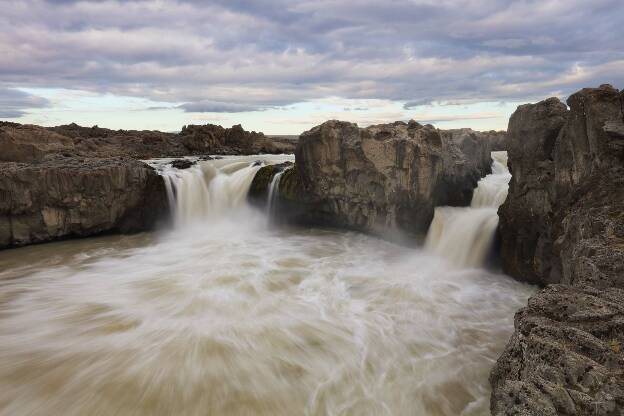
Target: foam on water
x=231 y=316
x=464 y=235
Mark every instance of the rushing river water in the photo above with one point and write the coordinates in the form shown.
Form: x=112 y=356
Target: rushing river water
x=226 y=315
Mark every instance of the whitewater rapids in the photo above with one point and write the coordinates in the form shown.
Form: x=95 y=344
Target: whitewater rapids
x=464 y=235
x=226 y=315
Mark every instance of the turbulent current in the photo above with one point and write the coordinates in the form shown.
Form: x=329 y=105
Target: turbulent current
x=228 y=315
x=464 y=235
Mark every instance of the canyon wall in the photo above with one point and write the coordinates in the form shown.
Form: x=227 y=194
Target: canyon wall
x=563 y=224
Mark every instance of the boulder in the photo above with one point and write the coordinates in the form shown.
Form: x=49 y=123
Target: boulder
x=382 y=178
x=182 y=163
x=71 y=197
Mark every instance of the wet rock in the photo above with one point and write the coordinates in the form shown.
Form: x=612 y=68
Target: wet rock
x=383 y=177
x=259 y=189
x=182 y=163
x=77 y=197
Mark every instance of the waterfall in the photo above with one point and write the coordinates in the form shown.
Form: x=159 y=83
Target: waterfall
x=465 y=235
x=211 y=189
x=273 y=193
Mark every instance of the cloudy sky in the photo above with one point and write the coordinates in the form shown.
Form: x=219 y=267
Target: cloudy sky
x=283 y=66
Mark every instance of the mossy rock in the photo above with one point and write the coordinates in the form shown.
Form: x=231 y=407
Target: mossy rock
x=291 y=188
x=259 y=189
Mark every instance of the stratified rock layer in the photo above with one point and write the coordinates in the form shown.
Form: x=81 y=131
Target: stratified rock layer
x=380 y=178
x=70 y=197
x=563 y=224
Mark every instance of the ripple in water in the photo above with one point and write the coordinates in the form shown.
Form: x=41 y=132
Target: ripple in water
x=234 y=317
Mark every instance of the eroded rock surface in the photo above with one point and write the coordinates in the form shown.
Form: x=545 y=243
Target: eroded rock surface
x=383 y=177
x=563 y=221
x=566 y=356
x=71 y=197
x=563 y=224
x=25 y=143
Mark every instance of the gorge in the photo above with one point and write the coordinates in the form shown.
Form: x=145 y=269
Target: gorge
x=358 y=276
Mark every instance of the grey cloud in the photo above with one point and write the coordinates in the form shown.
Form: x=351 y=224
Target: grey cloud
x=249 y=55
x=218 y=107
x=416 y=103
x=14 y=103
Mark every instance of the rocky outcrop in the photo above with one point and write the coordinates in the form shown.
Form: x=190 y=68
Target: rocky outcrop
x=562 y=221
x=563 y=224
x=25 y=143
x=73 y=181
x=566 y=356
x=381 y=178
x=215 y=139
x=71 y=197
x=496 y=139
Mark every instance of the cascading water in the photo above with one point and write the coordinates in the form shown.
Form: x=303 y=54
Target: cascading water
x=465 y=235
x=273 y=193
x=211 y=189
x=226 y=315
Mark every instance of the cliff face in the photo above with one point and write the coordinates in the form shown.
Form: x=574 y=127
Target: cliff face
x=66 y=197
x=383 y=177
x=563 y=223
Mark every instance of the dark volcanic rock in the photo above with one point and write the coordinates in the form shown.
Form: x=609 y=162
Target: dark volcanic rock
x=70 y=197
x=525 y=220
x=211 y=138
x=566 y=356
x=563 y=222
x=258 y=191
x=27 y=143
x=383 y=177
x=563 y=219
x=497 y=140
x=182 y=163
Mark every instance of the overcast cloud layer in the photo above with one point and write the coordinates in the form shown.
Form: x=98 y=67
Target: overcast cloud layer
x=233 y=56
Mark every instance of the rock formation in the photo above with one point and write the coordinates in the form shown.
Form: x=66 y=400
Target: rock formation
x=496 y=139
x=72 y=197
x=215 y=139
x=28 y=142
x=563 y=224
x=380 y=178
x=562 y=221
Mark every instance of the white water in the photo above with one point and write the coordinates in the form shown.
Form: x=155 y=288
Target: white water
x=465 y=235
x=273 y=193
x=228 y=316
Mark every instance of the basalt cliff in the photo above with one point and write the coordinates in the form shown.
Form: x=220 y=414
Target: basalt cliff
x=562 y=225
x=379 y=179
